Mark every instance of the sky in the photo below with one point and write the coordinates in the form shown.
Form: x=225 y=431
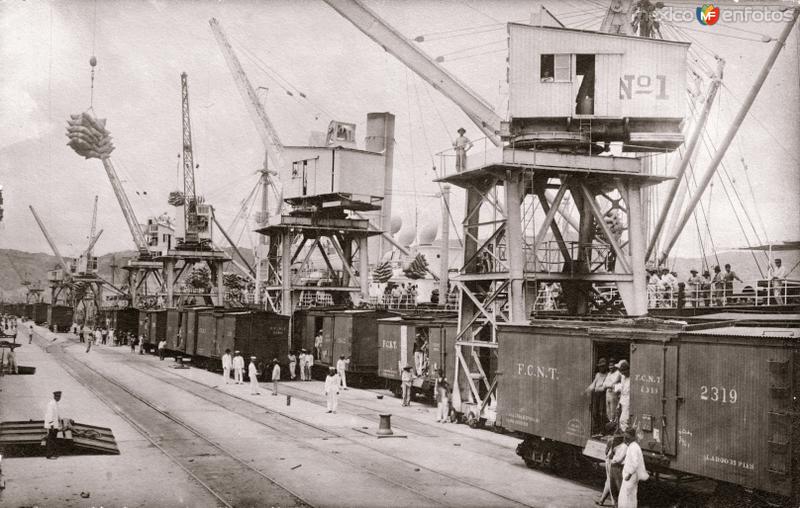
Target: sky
x=304 y=46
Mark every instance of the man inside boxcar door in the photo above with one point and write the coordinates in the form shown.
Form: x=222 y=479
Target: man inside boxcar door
x=597 y=392
x=341 y=369
x=238 y=368
x=227 y=363
x=332 y=390
x=292 y=365
x=623 y=388
x=252 y=373
x=612 y=398
x=632 y=473
x=317 y=345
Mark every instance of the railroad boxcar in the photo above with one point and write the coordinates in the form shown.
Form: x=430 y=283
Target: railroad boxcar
x=39 y=313
x=173 y=331
x=124 y=321
x=28 y=310
x=206 y=333
x=396 y=337
x=717 y=403
x=60 y=316
x=354 y=335
x=267 y=338
x=306 y=324
x=189 y=329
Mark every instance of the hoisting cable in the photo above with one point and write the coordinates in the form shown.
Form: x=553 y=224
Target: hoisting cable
x=706 y=141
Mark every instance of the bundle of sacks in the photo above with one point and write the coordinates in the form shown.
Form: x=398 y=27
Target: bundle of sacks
x=382 y=272
x=417 y=268
x=88 y=136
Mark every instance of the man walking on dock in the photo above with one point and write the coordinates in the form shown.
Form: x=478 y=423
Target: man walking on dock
x=238 y=368
x=227 y=363
x=52 y=423
x=30 y=332
x=341 y=369
x=162 y=349
x=332 y=390
x=252 y=372
x=292 y=365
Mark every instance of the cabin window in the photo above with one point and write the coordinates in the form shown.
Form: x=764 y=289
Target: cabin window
x=555 y=68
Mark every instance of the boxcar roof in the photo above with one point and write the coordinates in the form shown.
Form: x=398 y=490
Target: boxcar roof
x=748 y=331
x=595 y=33
x=746 y=316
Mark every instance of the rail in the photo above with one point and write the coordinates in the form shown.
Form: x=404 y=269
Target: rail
x=761 y=293
x=447 y=158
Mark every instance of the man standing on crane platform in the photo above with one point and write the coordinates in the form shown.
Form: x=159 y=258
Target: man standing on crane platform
x=462 y=145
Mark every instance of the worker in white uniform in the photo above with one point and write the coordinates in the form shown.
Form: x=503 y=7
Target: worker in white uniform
x=441 y=389
x=227 y=363
x=461 y=145
x=623 y=388
x=777 y=280
x=276 y=375
x=238 y=368
x=292 y=365
x=252 y=372
x=332 y=390
x=52 y=423
x=309 y=365
x=341 y=369
x=632 y=472
x=302 y=364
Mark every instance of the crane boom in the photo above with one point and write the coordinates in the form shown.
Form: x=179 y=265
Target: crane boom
x=92 y=230
x=476 y=108
x=127 y=209
x=190 y=196
x=22 y=279
x=49 y=239
x=88 y=252
x=268 y=133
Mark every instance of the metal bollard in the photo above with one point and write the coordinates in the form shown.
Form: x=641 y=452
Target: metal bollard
x=288 y=400
x=385 y=426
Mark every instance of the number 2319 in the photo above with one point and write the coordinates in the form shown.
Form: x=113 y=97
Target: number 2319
x=719 y=394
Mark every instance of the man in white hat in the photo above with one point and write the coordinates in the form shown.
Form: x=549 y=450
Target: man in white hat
x=461 y=145
x=52 y=423
x=238 y=368
x=252 y=372
x=332 y=390
x=227 y=363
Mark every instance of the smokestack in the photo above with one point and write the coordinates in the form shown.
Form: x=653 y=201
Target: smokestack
x=380 y=138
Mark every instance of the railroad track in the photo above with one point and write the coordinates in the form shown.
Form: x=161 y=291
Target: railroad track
x=254 y=413
x=219 y=470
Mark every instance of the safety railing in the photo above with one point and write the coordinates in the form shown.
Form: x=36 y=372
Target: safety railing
x=447 y=157
x=758 y=293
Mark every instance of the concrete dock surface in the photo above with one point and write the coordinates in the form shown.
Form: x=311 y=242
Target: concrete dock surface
x=188 y=439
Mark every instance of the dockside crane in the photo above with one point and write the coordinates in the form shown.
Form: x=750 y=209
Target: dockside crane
x=274 y=148
x=32 y=290
x=60 y=279
x=492 y=288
